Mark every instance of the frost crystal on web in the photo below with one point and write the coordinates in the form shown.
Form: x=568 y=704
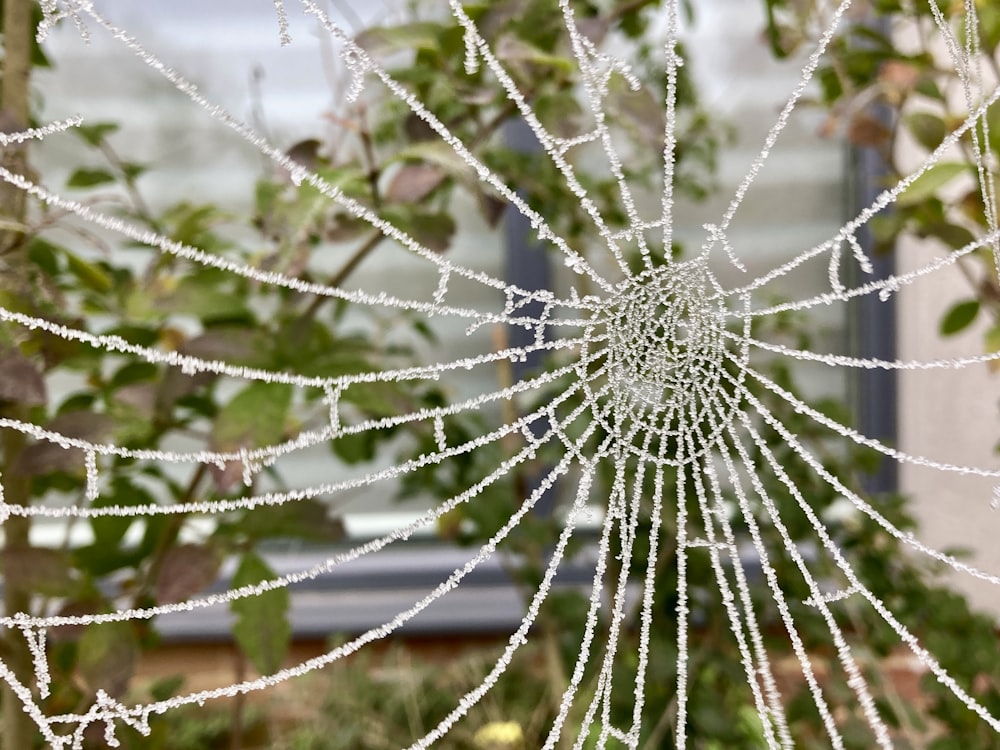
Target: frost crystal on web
x=656 y=379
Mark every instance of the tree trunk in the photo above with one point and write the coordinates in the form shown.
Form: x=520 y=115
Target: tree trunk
x=17 y=730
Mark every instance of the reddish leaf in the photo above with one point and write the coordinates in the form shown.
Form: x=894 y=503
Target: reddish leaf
x=44 y=457
x=38 y=569
x=178 y=384
x=229 y=344
x=305 y=153
x=225 y=477
x=139 y=396
x=492 y=208
x=865 y=130
x=900 y=75
x=414 y=182
x=20 y=381
x=186 y=570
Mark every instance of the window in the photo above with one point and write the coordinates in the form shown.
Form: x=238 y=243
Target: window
x=287 y=94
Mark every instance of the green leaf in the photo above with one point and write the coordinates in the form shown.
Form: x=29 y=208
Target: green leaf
x=640 y=112
x=204 y=297
x=991 y=344
x=930 y=182
x=254 y=417
x=89 y=274
x=85 y=177
x=262 y=629
x=993 y=120
x=166 y=687
x=928 y=130
x=45 y=255
x=193 y=225
x=308 y=519
x=134 y=372
x=94 y=133
x=108 y=654
x=437 y=153
x=398 y=38
x=953 y=235
x=959 y=317
x=433 y=230
x=110 y=530
x=513 y=49
x=992 y=339
x=356 y=447
x=133 y=170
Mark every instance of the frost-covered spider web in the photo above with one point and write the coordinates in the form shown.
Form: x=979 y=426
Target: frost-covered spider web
x=657 y=379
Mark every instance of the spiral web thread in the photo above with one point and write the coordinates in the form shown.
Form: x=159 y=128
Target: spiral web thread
x=661 y=362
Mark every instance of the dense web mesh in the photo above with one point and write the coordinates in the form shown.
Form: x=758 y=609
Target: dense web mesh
x=656 y=379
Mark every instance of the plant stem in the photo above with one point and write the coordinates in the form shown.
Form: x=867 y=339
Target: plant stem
x=239 y=704
x=16 y=730
x=14 y=98
x=170 y=535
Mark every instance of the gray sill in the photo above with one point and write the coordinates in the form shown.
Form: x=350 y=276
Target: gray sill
x=372 y=590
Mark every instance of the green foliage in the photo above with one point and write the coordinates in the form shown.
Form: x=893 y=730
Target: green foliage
x=407 y=178
x=261 y=627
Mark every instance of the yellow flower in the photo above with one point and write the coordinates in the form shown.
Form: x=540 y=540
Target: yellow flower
x=499 y=735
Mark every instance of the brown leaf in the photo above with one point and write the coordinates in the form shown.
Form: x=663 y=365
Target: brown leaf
x=417 y=129
x=20 y=380
x=44 y=457
x=344 y=227
x=492 y=208
x=140 y=396
x=38 y=569
x=865 y=130
x=595 y=28
x=828 y=128
x=232 y=345
x=186 y=570
x=414 y=182
x=305 y=153
x=227 y=476
x=900 y=75
x=178 y=384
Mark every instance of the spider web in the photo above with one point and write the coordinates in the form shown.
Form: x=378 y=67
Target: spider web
x=662 y=384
